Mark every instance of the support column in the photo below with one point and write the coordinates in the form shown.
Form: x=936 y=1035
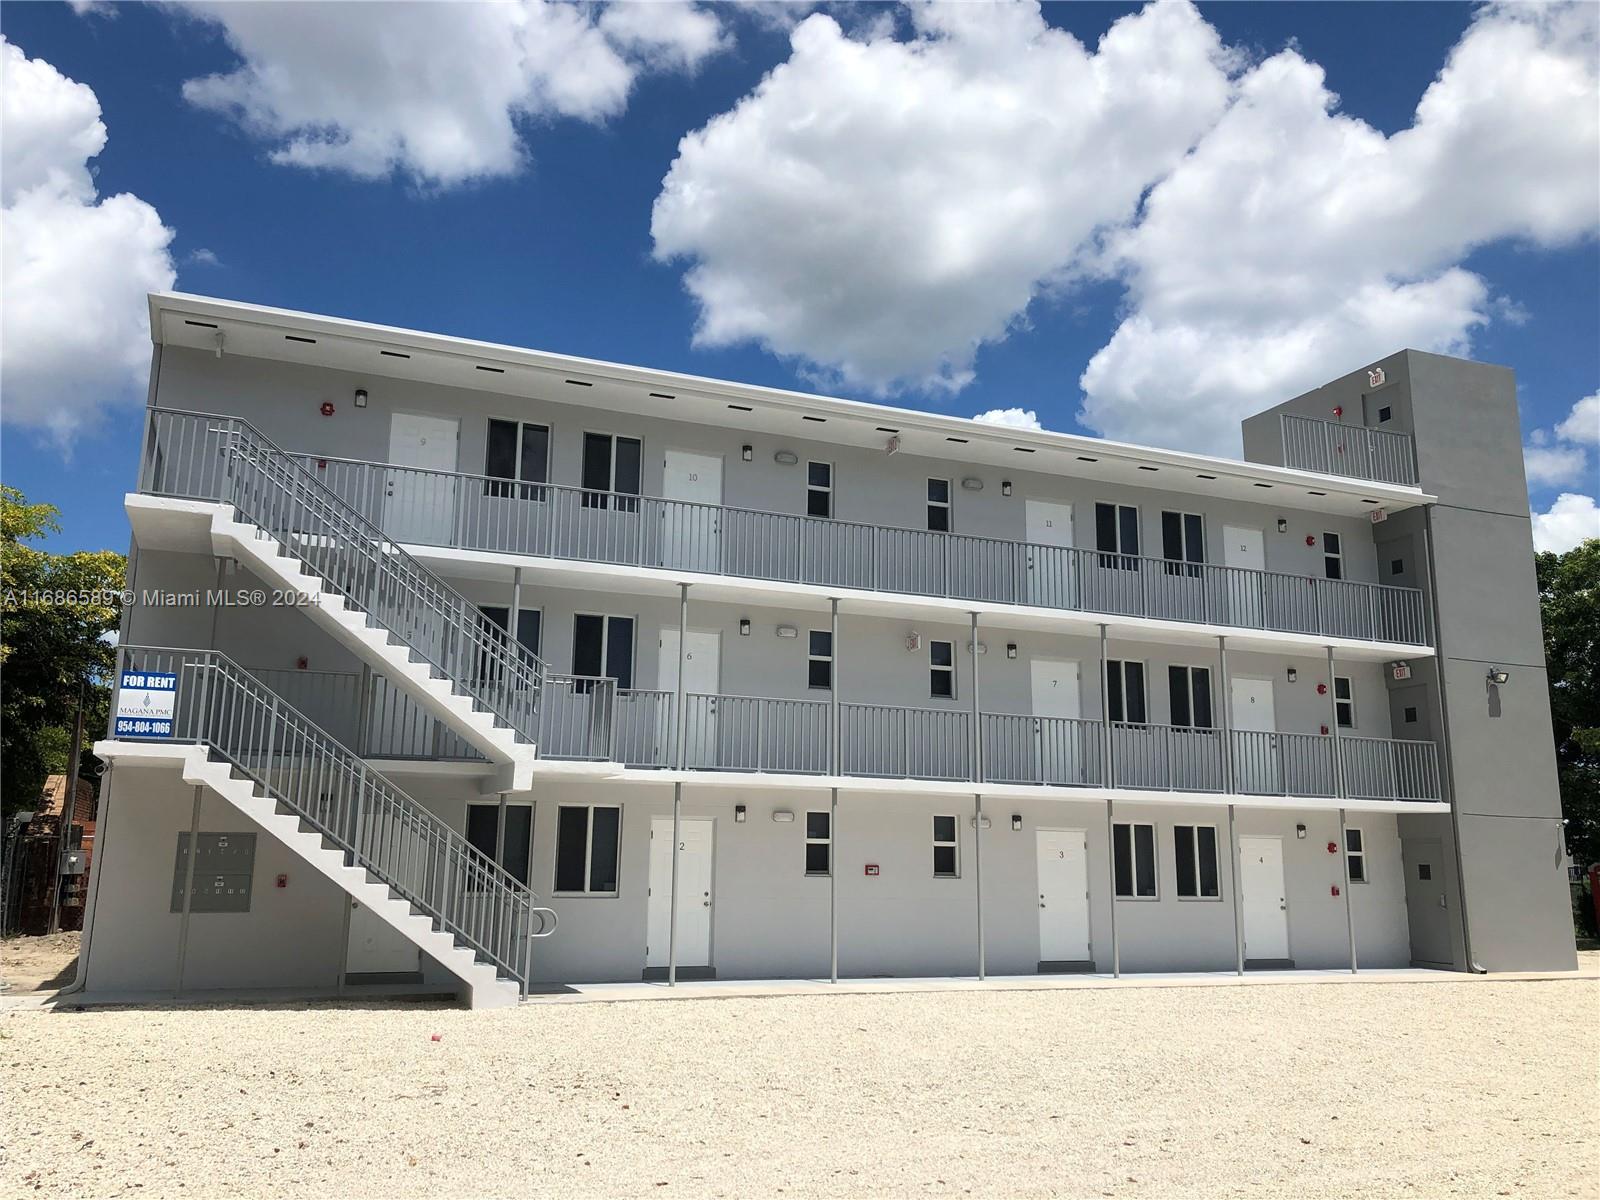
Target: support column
x=1333 y=727
x=1349 y=913
x=1107 y=781
x=1225 y=704
x=977 y=799
x=677 y=786
x=514 y=613
x=1238 y=925
x=835 y=765
x=188 y=893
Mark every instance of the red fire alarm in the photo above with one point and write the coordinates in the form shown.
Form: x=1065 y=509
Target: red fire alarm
x=327 y=408
x=1311 y=539
x=1338 y=410
x=1324 y=729
x=1336 y=889
x=1322 y=689
x=1333 y=847
x=872 y=869
x=283 y=881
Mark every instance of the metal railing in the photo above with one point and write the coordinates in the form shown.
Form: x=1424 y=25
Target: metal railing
x=480 y=512
x=1168 y=758
x=367 y=714
x=200 y=456
x=1284 y=764
x=1377 y=768
x=1059 y=751
x=1335 y=448
x=306 y=771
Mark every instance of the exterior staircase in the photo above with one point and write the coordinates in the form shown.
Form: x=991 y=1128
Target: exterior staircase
x=233 y=735
x=298 y=535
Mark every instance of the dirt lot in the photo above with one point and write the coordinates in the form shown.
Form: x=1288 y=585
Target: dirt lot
x=38 y=964
x=1470 y=1088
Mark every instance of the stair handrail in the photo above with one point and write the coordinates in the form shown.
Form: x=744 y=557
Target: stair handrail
x=500 y=674
x=221 y=705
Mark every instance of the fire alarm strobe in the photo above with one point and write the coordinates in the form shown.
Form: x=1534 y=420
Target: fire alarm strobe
x=1333 y=847
x=872 y=869
x=327 y=408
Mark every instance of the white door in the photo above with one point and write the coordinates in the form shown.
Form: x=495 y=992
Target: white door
x=702 y=679
x=1063 y=896
x=1241 y=592
x=1263 y=898
x=375 y=947
x=1050 y=560
x=690 y=531
x=1057 y=743
x=1257 y=756
x=695 y=851
x=419 y=507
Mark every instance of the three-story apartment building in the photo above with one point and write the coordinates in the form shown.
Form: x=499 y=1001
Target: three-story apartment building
x=467 y=668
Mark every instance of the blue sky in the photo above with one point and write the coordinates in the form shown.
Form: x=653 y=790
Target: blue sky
x=557 y=252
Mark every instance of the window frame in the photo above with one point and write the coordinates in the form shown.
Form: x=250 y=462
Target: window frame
x=588 y=854
x=953 y=843
x=1187 y=562
x=820 y=490
x=935 y=670
x=811 y=840
x=605 y=620
x=1354 y=853
x=1194 y=848
x=1332 y=559
x=502 y=486
x=813 y=657
x=1345 y=703
x=610 y=497
x=1133 y=862
x=1119 y=557
x=946 y=506
x=1188 y=671
x=498 y=856
x=1122 y=691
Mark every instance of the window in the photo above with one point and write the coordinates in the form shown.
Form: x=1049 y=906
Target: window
x=1385 y=414
x=1344 y=705
x=1355 y=853
x=1125 y=691
x=611 y=471
x=1183 y=541
x=1190 y=691
x=1397 y=566
x=1116 y=534
x=1133 y=852
x=588 y=843
x=1424 y=872
x=819 y=844
x=944 y=848
x=1411 y=714
x=516 y=451
x=514 y=852
x=494 y=620
x=1194 y=851
x=603 y=647
x=819 y=659
x=939 y=505
x=819 y=489
x=1332 y=556
x=942 y=670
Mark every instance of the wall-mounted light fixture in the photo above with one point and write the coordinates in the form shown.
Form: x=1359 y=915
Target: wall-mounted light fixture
x=747 y=453
x=1293 y=674
x=361 y=397
x=786 y=458
x=1011 y=649
x=788 y=631
x=1283 y=525
x=1300 y=831
x=980 y=647
x=1005 y=487
x=782 y=816
x=979 y=822
x=972 y=484
x=740 y=813
x=1016 y=822
x=744 y=626
x=1498 y=675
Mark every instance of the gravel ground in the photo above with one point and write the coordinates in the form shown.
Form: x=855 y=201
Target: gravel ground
x=1471 y=1088
x=38 y=964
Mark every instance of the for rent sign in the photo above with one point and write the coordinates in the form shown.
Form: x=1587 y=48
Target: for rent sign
x=145 y=704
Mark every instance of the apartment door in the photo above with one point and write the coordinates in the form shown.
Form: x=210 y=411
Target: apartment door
x=695 y=863
x=1058 y=740
x=1427 y=903
x=1051 y=574
x=1241 y=592
x=1063 y=897
x=702 y=680
x=418 y=506
x=691 y=530
x=1257 y=754
x=1264 y=899
x=376 y=948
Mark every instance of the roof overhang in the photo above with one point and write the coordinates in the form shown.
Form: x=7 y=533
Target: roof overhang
x=381 y=351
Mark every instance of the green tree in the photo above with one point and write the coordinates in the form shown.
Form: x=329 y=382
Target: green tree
x=59 y=611
x=1569 y=599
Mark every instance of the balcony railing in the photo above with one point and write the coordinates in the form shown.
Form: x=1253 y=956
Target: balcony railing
x=478 y=512
x=1334 y=448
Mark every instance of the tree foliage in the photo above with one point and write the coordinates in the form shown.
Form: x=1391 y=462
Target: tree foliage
x=1569 y=599
x=60 y=613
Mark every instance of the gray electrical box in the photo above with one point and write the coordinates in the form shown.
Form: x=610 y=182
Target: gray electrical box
x=223 y=866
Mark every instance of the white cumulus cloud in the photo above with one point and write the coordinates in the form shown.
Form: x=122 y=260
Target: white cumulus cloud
x=434 y=91
x=1571 y=519
x=880 y=207
x=1582 y=424
x=1559 y=457
x=1017 y=418
x=74 y=338
x=1297 y=243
